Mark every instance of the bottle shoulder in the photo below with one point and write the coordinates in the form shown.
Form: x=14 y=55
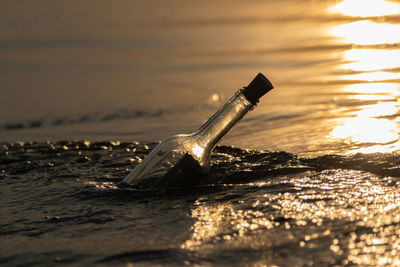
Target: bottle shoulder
x=184 y=144
x=174 y=142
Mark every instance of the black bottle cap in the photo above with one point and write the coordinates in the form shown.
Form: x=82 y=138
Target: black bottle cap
x=258 y=87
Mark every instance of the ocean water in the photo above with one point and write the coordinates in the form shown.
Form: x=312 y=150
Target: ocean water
x=309 y=177
x=64 y=203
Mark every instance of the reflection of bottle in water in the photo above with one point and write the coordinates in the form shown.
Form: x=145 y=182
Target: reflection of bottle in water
x=182 y=160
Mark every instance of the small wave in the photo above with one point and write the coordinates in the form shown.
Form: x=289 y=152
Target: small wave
x=120 y=114
x=256 y=202
x=114 y=160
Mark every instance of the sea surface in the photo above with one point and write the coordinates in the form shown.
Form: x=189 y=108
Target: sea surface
x=310 y=177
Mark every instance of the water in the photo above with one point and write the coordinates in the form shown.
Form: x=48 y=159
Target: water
x=122 y=75
x=65 y=204
x=124 y=80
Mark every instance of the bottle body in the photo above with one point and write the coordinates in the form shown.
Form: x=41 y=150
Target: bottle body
x=163 y=157
x=198 y=144
x=182 y=160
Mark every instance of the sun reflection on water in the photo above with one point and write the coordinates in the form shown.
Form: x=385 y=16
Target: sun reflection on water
x=368 y=33
x=222 y=223
x=372 y=59
x=373 y=126
x=311 y=217
x=373 y=76
x=366 y=130
x=366 y=8
x=373 y=88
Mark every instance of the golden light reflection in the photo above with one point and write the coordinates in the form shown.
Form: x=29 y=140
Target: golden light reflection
x=223 y=223
x=371 y=128
x=373 y=88
x=378 y=110
x=368 y=33
x=366 y=130
x=370 y=203
x=372 y=59
x=198 y=151
x=366 y=8
x=372 y=97
x=375 y=91
x=373 y=76
x=208 y=225
x=378 y=148
x=275 y=221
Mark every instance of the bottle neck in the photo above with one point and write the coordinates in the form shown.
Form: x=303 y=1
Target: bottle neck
x=221 y=122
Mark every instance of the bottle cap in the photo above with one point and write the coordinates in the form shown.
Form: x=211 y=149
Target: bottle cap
x=258 y=87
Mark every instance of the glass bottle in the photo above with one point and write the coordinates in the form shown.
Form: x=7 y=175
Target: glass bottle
x=183 y=159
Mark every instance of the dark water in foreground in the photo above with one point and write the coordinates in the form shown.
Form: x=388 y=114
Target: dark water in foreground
x=63 y=204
